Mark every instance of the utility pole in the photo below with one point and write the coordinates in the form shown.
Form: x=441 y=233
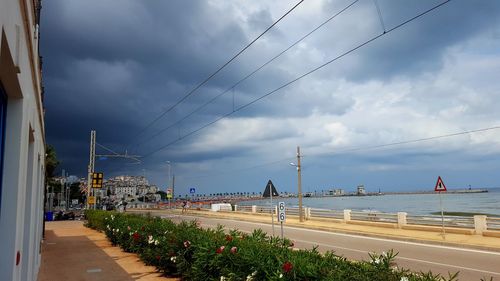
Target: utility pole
x=173 y=188
x=90 y=191
x=63 y=187
x=299 y=183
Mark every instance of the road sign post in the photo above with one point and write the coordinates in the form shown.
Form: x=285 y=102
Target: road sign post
x=440 y=187
x=271 y=191
x=281 y=216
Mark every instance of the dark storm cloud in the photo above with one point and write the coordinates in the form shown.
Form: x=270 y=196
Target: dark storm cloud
x=419 y=46
x=114 y=66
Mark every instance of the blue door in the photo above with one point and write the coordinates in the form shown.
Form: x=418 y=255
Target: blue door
x=3 y=110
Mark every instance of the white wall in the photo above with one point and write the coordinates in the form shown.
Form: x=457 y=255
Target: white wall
x=21 y=209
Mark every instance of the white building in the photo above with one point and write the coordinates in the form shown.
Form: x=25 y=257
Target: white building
x=122 y=191
x=22 y=145
x=361 y=190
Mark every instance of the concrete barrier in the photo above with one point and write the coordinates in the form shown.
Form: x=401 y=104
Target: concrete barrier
x=402 y=219
x=439 y=229
x=480 y=224
x=491 y=233
x=373 y=223
x=347 y=216
x=399 y=220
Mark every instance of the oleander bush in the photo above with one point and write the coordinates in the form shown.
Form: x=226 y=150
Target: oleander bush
x=193 y=253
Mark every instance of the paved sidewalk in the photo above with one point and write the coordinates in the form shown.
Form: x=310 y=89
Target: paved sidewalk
x=73 y=252
x=460 y=240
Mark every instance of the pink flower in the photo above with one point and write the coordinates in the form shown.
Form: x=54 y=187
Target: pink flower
x=287 y=266
x=128 y=227
x=234 y=250
x=220 y=249
x=187 y=244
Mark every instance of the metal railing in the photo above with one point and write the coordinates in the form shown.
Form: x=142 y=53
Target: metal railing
x=449 y=221
x=264 y=209
x=325 y=213
x=244 y=208
x=493 y=223
x=294 y=211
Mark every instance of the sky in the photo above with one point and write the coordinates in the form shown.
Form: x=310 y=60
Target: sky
x=127 y=69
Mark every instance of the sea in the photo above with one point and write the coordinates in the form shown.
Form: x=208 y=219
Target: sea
x=416 y=204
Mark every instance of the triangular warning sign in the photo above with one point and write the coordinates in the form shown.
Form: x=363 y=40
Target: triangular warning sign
x=440 y=185
x=269 y=187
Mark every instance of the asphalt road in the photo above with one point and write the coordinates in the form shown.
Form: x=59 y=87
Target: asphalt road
x=471 y=263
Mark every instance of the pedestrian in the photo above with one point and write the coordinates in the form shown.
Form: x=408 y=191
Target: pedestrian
x=183 y=205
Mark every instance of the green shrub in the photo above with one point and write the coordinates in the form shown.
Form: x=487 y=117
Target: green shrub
x=194 y=253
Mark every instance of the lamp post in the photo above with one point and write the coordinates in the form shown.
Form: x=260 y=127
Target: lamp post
x=169 y=185
x=299 y=184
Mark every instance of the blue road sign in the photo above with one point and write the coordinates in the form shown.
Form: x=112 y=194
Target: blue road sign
x=192 y=190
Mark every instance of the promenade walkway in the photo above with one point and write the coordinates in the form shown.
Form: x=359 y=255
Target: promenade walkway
x=369 y=229
x=71 y=251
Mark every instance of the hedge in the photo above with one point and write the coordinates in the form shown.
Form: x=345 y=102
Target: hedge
x=190 y=252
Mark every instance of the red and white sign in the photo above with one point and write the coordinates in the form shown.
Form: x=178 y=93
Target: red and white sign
x=440 y=185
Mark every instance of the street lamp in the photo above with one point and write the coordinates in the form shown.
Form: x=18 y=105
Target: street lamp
x=299 y=184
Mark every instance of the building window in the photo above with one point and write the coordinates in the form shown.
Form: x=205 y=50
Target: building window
x=3 y=112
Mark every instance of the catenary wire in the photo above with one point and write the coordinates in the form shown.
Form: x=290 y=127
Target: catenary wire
x=350 y=149
x=232 y=87
x=214 y=73
x=298 y=78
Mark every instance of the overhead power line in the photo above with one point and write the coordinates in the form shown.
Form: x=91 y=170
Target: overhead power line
x=250 y=74
x=299 y=77
x=350 y=149
x=214 y=73
x=413 y=141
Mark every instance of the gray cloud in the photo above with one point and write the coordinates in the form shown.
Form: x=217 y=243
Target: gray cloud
x=114 y=68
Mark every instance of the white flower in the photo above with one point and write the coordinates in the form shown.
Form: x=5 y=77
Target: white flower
x=173 y=259
x=130 y=233
x=251 y=276
x=107 y=226
x=150 y=239
x=157 y=242
x=377 y=260
x=222 y=278
x=404 y=278
x=117 y=230
x=112 y=217
x=281 y=275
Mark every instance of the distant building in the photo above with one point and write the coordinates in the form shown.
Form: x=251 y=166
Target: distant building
x=338 y=192
x=361 y=190
x=133 y=186
x=22 y=141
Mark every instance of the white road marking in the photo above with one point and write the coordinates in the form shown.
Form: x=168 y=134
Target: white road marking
x=369 y=238
x=400 y=257
x=450 y=265
x=94 y=270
